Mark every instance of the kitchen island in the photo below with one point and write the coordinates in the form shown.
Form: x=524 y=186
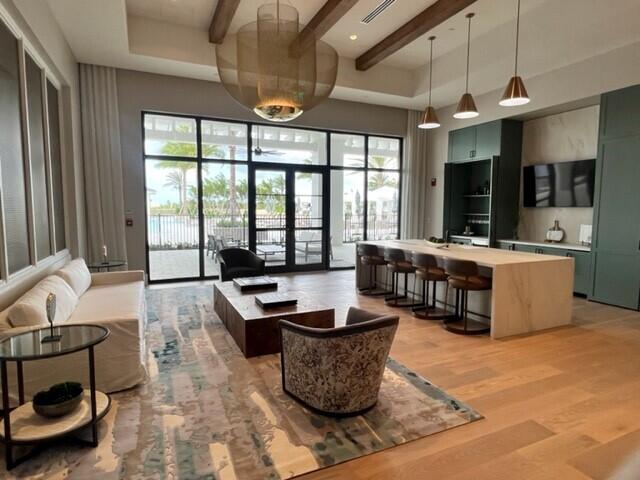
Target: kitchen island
x=530 y=292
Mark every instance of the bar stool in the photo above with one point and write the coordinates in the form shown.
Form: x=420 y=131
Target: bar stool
x=370 y=257
x=427 y=270
x=464 y=276
x=398 y=264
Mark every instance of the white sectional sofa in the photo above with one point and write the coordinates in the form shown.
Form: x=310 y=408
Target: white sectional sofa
x=115 y=300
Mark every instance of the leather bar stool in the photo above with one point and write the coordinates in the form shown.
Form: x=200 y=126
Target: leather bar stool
x=371 y=257
x=429 y=272
x=464 y=277
x=398 y=265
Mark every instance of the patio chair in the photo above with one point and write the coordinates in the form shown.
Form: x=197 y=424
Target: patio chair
x=337 y=371
x=309 y=243
x=211 y=246
x=238 y=262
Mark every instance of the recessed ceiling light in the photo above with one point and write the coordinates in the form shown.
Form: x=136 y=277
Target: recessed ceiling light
x=353 y=37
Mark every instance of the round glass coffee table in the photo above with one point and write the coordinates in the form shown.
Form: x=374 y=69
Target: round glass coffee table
x=21 y=425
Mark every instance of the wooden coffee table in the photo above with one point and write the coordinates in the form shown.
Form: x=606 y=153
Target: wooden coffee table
x=256 y=330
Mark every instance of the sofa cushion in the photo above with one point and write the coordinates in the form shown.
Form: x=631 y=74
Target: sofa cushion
x=110 y=302
x=30 y=309
x=77 y=275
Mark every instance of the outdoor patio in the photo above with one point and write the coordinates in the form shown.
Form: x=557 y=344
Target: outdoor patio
x=176 y=264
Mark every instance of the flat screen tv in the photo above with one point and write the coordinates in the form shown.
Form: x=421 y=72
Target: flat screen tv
x=565 y=184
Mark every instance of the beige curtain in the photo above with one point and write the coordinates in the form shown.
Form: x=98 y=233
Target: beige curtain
x=414 y=181
x=104 y=198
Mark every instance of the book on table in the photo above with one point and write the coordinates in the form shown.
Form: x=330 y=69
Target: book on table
x=274 y=300
x=255 y=283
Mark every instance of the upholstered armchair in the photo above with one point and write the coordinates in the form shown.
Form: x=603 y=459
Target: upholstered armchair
x=337 y=371
x=239 y=262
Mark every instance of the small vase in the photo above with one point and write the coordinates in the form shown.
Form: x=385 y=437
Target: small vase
x=555 y=233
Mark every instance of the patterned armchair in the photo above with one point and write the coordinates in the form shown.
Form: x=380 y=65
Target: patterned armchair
x=337 y=371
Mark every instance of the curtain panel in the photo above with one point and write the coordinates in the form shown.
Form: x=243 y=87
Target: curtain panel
x=415 y=181
x=104 y=197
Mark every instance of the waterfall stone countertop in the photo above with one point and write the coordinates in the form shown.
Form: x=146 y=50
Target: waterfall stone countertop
x=530 y=292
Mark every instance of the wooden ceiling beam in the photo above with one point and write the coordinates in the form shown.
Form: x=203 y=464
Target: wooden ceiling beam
x=416 y=27
x=225 y=10
x=322 y=21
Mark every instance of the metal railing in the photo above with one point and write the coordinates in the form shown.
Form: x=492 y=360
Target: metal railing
x=175 y=232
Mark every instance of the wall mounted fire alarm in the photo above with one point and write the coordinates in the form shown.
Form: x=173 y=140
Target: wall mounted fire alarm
x=433 y=182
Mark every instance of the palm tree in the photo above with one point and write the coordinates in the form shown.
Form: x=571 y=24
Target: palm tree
x=381 y=179
x=178 y=176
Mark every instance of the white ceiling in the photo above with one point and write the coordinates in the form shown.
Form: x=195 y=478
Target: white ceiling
x=170 y=36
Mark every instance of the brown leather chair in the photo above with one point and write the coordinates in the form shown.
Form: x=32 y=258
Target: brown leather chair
x=464 y=276
x=371 y=257
x=397 y=264
x=428 y=271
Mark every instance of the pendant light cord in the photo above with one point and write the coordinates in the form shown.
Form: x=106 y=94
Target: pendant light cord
x=517 y=36
x=468 y=51
x=430 y=67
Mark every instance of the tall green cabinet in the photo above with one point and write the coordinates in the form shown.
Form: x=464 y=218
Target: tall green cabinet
x=482 y=180
x=616 y=237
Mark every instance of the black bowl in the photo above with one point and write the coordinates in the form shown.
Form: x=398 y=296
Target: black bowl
x=58 y=409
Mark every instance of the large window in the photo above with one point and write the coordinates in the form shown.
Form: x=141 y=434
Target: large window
x=365 y=192
x=14 y=191
x=300 y=198
x=38 y=161
x=31 y=202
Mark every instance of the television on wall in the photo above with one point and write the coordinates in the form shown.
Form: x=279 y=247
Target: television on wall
x=565 y=184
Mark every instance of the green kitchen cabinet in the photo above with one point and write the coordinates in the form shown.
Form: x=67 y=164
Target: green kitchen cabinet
x=488 y=137
x=619 y=115
x=484 y=141
x=482 y=180
x=616 y=232
x=526 y=248
x=506 y=245
x=462 y=143
x=582 y=271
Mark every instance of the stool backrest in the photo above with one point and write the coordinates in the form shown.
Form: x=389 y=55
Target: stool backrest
x=394 y=255
x=460 y=268
x=368 y=250
x=423 y=260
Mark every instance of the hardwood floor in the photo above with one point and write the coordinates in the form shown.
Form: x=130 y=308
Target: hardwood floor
x=562 y=404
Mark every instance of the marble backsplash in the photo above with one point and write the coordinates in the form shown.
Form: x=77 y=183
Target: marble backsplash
x=561 y=137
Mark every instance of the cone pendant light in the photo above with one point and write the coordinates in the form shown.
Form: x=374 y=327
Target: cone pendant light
x=515 y=94
x=467 y=106
x=429 y=118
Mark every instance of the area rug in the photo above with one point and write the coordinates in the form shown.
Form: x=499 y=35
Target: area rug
x=208 y=413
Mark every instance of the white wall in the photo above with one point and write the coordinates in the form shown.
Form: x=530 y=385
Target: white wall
x=581 y=82
x=32 y=21
x=555 y=138
x=138 y=91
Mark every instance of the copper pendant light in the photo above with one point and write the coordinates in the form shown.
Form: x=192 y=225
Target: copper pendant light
x=429 y=118
x=467 y=106
x=515 y=94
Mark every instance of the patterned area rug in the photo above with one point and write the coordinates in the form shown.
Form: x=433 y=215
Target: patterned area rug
x=209 y=413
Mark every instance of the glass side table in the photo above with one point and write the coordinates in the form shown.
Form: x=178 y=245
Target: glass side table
x=29 y=427
x=106 y=266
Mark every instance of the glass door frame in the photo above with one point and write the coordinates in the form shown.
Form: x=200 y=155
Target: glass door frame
x=290 y=171
x=325 y=169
